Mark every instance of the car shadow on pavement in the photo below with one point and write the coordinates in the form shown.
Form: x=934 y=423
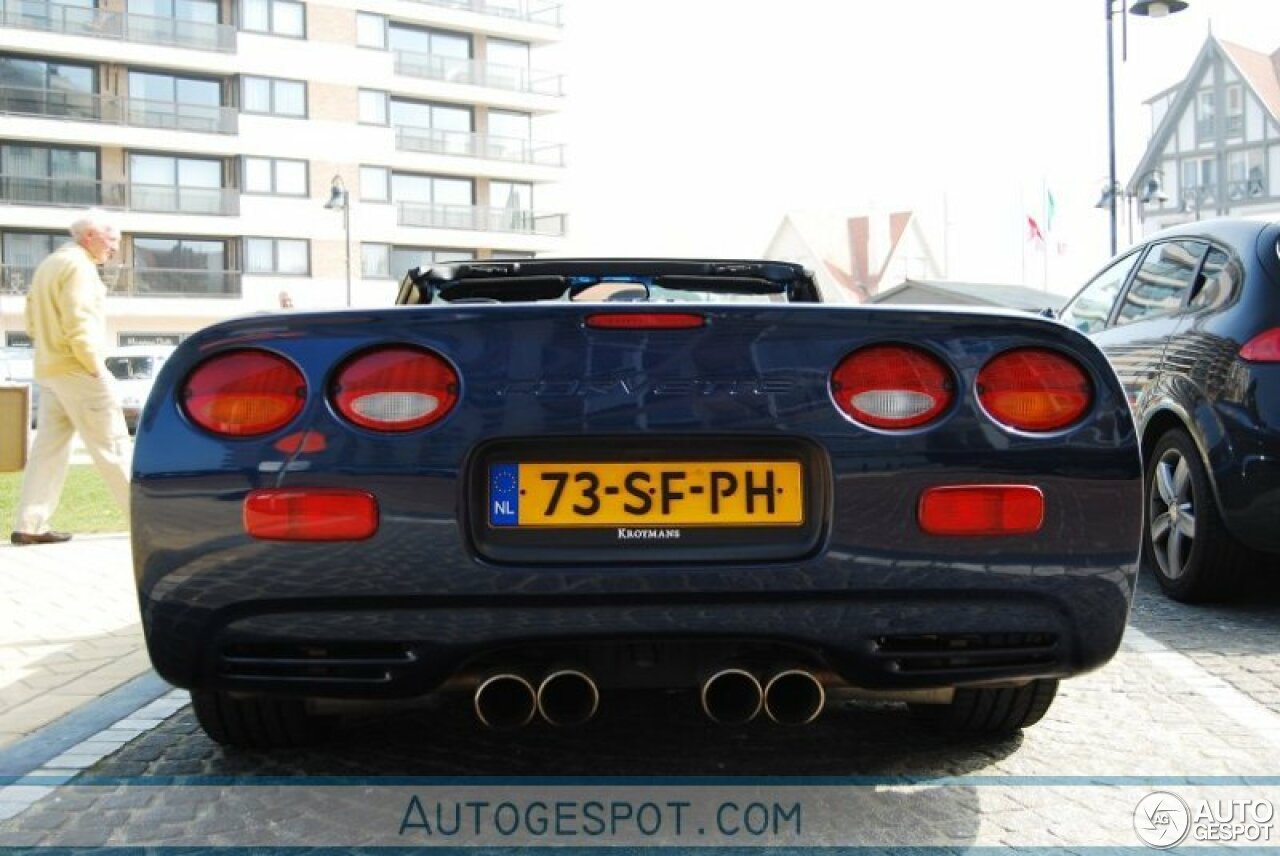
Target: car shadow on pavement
x=635 y=734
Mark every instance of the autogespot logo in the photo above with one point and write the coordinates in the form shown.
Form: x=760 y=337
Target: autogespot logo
x=1162 y=820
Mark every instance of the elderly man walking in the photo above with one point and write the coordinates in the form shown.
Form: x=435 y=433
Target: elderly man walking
x=66 y=310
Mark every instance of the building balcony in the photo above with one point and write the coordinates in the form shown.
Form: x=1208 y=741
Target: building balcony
x=171 y=199
x=117 y=110
x=173 y=282
x=473 y=73
x=70 y=192
x=476 y=218
x=120 y=26
x=162 y=198
x=1252 y=188
x=533 y=11
x=466 y=144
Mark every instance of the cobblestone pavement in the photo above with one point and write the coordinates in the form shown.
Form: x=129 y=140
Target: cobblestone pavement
x=1193 y=699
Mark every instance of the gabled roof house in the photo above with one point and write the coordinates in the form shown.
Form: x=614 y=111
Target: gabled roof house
x=1215 y=144
x=852 y=257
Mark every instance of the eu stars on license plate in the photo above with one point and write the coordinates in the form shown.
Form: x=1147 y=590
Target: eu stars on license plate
x=685 y=493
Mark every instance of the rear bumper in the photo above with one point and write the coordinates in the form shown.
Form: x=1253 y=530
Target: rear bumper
x=989 y=624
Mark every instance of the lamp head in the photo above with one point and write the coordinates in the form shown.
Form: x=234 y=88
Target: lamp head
x=1157 y=8
x=337 y=194
x=1153 y=190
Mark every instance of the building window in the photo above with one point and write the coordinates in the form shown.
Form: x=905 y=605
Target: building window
x=273 y=96
x=384 y=261
x=1246 y=176
x=20 y=253
x=371 y=30
x=284 y=256
x=373 y=107
x=276 y=176
x=420 y=40
x=375 y=184
x=47 y=88
x=46 y=174
x=175 y=184
x=277 y=17
x=439 y=128
x=1206 y=128
x=195 y=267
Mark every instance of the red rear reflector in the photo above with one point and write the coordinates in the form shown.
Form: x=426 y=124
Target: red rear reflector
x=1012 y=509
x=395 y=389
x=244 y=393
x=1263 y=348
x=1030 y=389
x=310 y=514
x=892 y=386
x=645 y=320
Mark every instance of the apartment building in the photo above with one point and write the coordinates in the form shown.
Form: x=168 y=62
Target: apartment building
x=262 y=149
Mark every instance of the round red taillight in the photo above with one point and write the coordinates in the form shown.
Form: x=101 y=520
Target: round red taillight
x=244 y=393
x=1031 y=389
x=892 y=386
x=395 y=389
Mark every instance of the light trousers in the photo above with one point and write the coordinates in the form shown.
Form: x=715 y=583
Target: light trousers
x=69 y=405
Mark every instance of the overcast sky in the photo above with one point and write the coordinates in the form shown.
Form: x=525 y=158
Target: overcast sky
x=693 y=126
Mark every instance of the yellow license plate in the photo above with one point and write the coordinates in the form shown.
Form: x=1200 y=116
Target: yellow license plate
x=661 y=493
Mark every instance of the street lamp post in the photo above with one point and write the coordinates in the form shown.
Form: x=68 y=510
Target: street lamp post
x=1145 y=8
x=339 y=197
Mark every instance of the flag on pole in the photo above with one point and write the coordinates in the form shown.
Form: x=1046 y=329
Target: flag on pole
x=1050 y=208
x=1033 y=231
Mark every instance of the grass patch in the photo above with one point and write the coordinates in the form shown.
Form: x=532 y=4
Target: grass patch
x=86 y=504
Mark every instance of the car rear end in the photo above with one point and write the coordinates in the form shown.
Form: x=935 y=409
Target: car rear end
x=372 y=504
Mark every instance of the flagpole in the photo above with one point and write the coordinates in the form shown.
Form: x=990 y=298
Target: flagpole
x=1022 y=228
x=1048 y=226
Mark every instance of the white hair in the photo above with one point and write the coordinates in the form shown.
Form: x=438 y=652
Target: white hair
x=92 y=220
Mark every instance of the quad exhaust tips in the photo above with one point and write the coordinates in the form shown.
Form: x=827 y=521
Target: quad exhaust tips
x=567 y=697
x=506 y=701
x=794 y=697
x=734 y=696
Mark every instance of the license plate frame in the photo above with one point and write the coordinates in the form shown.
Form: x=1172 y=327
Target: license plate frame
x=711 y=493
x=650 y=542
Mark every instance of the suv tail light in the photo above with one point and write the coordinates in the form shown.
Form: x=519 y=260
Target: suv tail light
x=395 y=389
x=244 y=393
x=1263 y=348
x=1031 y=389
x=892 y=386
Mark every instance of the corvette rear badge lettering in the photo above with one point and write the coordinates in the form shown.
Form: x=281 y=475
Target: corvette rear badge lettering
x=625 y=534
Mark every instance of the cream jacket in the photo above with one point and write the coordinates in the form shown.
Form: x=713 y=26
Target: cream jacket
x=66 y=314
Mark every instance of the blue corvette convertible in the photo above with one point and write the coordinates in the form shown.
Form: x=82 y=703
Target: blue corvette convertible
x=533 y=483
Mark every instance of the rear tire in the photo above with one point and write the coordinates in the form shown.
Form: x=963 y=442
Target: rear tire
x=1185 y=543
x=991 y=712
x=258 y=722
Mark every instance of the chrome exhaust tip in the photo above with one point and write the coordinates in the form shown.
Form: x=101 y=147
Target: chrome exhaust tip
x=794 y=697
x=505 y=701
x=731 y=697
x=568 y=697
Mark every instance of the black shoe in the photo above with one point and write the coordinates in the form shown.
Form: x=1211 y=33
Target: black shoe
x=22 y=539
